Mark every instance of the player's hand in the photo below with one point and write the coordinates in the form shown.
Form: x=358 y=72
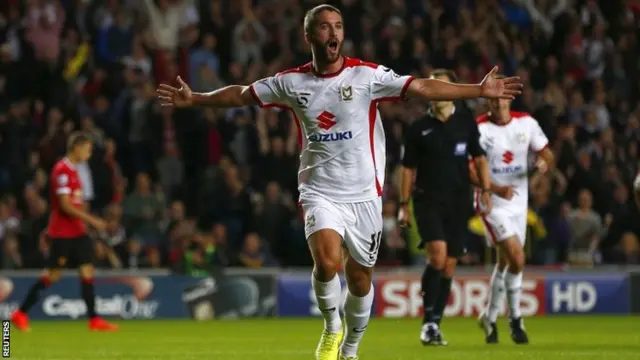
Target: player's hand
x=506 y=88
x=170 y=96
x=542 y=166
x=506 y=192
x=404 y=215
x=485 y=203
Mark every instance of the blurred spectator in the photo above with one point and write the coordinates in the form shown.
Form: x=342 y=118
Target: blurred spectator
x=254 y=254
x=142 y=210
x=11 y=257
x=586 y=231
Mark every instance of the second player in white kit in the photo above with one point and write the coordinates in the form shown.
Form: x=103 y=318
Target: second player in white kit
x=508 y=138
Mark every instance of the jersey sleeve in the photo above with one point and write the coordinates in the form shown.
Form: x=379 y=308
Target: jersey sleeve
x=269 y=92
x=410 y=147
x=539 y=140
x=61 y=181
x=387 y=85
x=475 y=149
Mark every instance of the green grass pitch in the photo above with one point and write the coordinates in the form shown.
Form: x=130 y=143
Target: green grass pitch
x=564 y=338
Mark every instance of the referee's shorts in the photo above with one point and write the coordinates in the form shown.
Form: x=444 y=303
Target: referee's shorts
x=442 y=221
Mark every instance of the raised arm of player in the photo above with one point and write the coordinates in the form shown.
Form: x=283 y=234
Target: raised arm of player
x=68 y=208
x=226 y=97
x=410 y=153
x=489 y=87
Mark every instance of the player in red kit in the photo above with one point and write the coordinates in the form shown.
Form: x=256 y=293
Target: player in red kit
x=70 y=245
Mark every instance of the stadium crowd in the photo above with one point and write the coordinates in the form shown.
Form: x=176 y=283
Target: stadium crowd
x=191 y=189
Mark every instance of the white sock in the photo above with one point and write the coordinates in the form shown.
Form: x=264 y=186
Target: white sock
x=513 y=283
x=496 y=296
x=357 y=311
x=328 y=297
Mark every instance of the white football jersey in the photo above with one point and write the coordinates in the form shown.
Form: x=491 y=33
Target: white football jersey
x=339 y=128
x=507 y=147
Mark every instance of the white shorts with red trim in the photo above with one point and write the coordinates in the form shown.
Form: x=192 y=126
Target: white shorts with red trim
x=359 y=224
x=500 y=225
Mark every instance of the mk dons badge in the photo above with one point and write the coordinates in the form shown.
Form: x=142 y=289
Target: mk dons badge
x=346 y=93
x=522 y=138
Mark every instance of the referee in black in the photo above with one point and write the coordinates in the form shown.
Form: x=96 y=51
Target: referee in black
x=437 y=151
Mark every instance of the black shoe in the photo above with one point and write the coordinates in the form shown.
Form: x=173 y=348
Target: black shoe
x=490 y=329
x=431 y=336
x=518 y=335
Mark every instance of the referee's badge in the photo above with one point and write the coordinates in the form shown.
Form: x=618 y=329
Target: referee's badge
x=461 y=149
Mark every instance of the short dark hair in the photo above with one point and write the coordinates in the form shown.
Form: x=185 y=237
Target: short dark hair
x=310 y=16
x=78 y=138
x=450 y=74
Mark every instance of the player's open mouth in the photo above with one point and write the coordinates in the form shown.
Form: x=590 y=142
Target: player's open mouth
x=333 y=45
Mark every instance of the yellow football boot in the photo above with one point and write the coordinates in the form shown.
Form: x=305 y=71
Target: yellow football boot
x=329 y=345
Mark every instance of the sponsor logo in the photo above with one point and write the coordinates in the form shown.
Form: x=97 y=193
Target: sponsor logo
x=579 y=296
x=507 y=157
x=326 y=120
x=346 y=135
x=125 y=306
x=360 y=329
x=469 y=296
x=311 y=221
x=518 y=169
x=593 y=294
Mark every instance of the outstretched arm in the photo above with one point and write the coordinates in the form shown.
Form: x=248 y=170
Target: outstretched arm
x=490 y=87
x=229 y=96
x=226 y=97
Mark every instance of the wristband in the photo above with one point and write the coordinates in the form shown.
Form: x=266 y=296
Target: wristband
x=404 y=203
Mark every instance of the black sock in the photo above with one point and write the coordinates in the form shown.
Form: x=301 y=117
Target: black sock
x=443 y=296
x=34 y=294
x=89 y=297
x=430 y=288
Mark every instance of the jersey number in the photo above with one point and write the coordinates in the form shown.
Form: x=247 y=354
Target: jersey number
x=376 y=239
x=303 y=99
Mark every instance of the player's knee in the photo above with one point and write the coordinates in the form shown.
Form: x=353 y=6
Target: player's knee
x=87 y=272
x=517 y=264
x=325 y=269
x=53 y=276
x=436 y=254
x=515 y=255
x=450 y=267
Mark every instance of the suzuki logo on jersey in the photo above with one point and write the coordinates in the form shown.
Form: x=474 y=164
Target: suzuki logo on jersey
x=326 y=120
x=346 y=135
x=508 y=170
x=507 y=157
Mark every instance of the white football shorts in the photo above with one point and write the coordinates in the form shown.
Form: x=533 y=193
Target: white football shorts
x=359 y=224
x=501 y=224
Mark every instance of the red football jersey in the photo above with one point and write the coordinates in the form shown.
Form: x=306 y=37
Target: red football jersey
x=65 y=181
